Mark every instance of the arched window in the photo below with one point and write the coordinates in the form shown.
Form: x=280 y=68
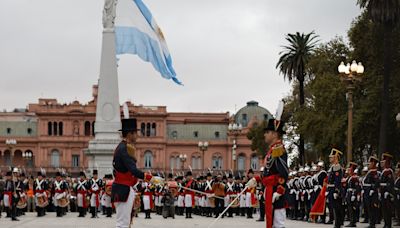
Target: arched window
x=55 y=125
x=143 y=129
x=196 y=162
x=217 y=162
x=254 y=162
x=153 y=129
x=87 y=128
x=148 y=159
x=148 y=129
x=55 y=158
x=60 y=128
x=7 y=157
x=241 y=162
x=49 y=128
x=93 y=128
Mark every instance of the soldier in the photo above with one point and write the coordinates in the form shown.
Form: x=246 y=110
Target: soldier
x=1 y=192
x=250 y=196
x=387 y=189
x=242 y=205
x=218 y=188
x=190 y=183
x=275 y=174
x=230 y=194
x=10 y=197
x=82 y=194
x=60 y=192
x=148 y=204
x=40 y=187
x=95 y=186
x=107 y=195
x=181 y=196
x=353 y=194
x=371 y=185
x=319 y=179
x=397 y=193
x=158 y=195
x=365 y=195
x=335 y=191
x=260 y=197
x=20 y=189
x=307 y=192
x=207 y=198
x=126 y=174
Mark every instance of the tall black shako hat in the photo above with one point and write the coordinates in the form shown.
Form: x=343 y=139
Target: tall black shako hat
x=276 y=124
x=129 y=125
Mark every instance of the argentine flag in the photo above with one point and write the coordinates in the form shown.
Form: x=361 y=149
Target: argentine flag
x=136 y=32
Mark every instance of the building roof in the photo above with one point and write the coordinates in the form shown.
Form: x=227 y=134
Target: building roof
x=250 y=111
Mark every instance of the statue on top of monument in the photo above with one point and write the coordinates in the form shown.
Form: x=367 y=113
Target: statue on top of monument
x=109 y=14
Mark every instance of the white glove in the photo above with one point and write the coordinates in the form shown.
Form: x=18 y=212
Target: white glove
x=326 y=193
x=302 y=198
x=297 y=196
x=358 y=198
x=309 y=197
x=335 y=195
x=275 y=196
x=386 y=195
x=353 y=198
x=371 y=192
x=252 y=183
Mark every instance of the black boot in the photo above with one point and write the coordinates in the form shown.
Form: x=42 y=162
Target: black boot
x=92 y=210
x=109 y=212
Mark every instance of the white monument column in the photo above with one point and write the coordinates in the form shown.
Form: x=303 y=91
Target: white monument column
x=108 y=119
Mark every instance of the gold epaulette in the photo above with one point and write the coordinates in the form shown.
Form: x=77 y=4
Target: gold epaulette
x=278 y=151
x=131 y=150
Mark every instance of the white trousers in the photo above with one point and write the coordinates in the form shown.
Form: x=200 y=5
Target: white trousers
x=146 y=202
x=124 y=210
x=93 y=200
x=248 y=199
x=6 y=201
x=242 y=202
x=279 y=218
x=181 y=201
x=188 y=200
x=79 y=199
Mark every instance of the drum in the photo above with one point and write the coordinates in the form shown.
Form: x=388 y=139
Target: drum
x=137 y=202
x=173 y=188
x=211 y=201
x=236 y=203
x=42 y=201
x=22 y=203
x=63 y=202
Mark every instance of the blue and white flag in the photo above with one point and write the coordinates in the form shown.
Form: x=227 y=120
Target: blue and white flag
x=136 y=32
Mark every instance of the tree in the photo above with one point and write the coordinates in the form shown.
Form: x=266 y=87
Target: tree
x=256 y=135
x=385 y=13
x=292 y=64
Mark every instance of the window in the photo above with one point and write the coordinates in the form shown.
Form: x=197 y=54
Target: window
x=93 y=128
x=49 y=128
x=217 y=162
x=196 y=162
x=87 y=128
x=241 y=161
x=175 y=162
x=7 y=157
x=216 y=134
x=254 y=162
x=153 y=129
x=55 y=127
x=29 y=131
x=148 y=159
x=75 y=161
x=174 y=134
x=60 y=128
x=8 y=130
x=196 y=134
x=55 y=158
x=148 y=129
x=143 y=129
x=266 y=117
x=244 y=116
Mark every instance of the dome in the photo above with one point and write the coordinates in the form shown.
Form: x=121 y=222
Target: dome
x=250 y=111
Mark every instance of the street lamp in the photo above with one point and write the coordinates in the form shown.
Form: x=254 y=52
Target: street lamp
x=234 y=129
x=350 y=74
x=203 y=146
x=183 y=157
x=28 y=156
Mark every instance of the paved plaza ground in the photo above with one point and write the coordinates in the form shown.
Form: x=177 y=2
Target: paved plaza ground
x=72 y=221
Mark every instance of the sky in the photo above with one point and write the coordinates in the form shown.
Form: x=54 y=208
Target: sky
x=224 y=51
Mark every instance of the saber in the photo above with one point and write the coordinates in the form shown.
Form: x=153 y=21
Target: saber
x=220 y=215
x=204 y=193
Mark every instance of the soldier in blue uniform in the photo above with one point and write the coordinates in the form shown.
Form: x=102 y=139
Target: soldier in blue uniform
x=126 y=174
x=353 y=194
x=397 y=193
x=387 y=189
x=371 y=185
x=335 y=191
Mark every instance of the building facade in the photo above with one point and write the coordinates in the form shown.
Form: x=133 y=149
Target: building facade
x=54 y=136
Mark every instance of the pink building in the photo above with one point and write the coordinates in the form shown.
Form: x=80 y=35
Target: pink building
x=53 y=135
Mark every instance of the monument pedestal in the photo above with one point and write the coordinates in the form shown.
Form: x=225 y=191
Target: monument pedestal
x=108 y=118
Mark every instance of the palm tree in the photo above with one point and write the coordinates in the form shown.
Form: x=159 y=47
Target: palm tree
x=292 y=64
x=385 y=13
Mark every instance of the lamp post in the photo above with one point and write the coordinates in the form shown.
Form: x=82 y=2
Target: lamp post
x=28 y=156
x=183 y=158
x=11 y=144
x=203 y=146
x=234 y=129
x=350 y=74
